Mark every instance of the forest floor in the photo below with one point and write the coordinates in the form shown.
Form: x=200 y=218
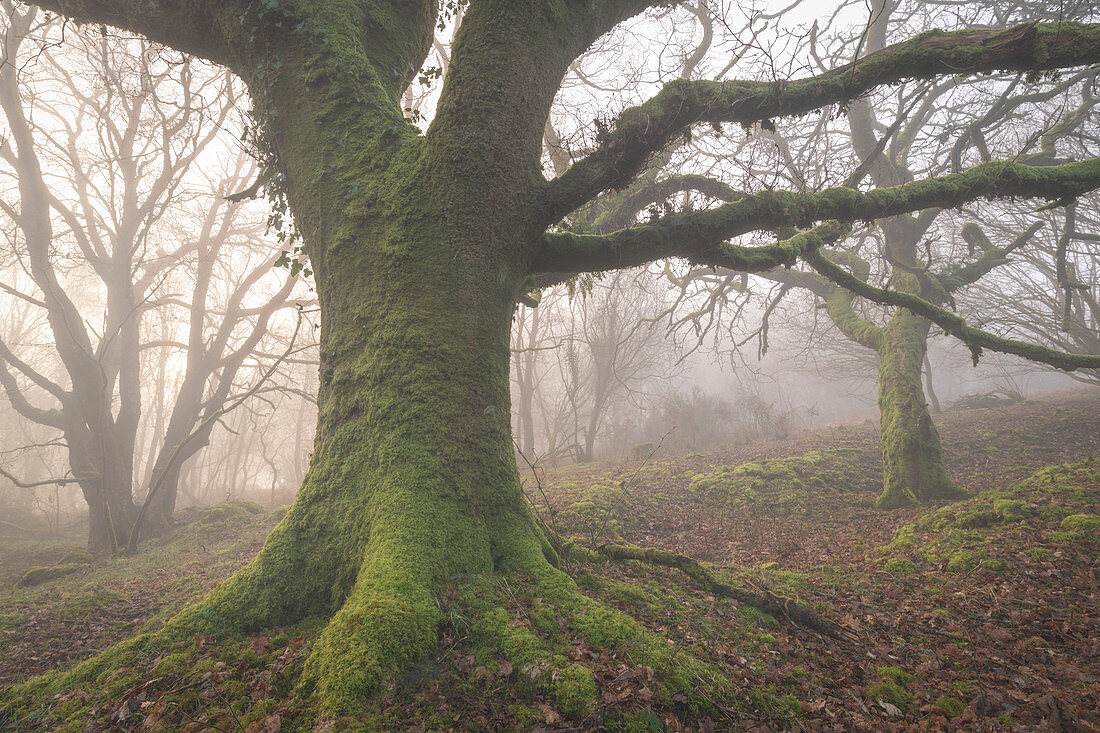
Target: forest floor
x=982 y=614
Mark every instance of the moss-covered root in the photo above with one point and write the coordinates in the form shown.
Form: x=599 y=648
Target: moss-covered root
x=531 y=613
x=387 y=625
x=912 y=457
x=766 y=600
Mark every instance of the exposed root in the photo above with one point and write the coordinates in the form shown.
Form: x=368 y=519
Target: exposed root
x=794 y=612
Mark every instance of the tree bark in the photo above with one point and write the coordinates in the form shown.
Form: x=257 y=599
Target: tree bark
x=420 y=247
x=912 y=457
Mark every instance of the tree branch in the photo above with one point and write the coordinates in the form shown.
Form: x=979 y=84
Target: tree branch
x=641 y=131
x=35 y=484
x=700 y=237
x=959 y=276
x=976 y=339
x=52 y=418
x=198 y=27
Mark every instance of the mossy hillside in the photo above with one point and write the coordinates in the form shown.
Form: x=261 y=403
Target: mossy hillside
x=789 y=485
x=960 y=537
x=150 y=682
x=114 y=591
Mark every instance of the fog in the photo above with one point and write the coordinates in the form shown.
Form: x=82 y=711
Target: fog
x=160 y=330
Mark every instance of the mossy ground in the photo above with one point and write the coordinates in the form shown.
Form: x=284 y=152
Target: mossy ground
x=960 y=537
x=647 y=650
x=67 y=619
x=788 y=485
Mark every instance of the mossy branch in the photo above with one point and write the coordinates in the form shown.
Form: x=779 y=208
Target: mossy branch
x=191 y=27
x=643 y=130
x=700 y=237
x=838 y=301
x=766 y=600
x=959 y=276
x=951 y=323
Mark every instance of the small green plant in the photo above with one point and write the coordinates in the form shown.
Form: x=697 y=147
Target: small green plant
x=899 y=566
x=961 y=561
x=951 y=705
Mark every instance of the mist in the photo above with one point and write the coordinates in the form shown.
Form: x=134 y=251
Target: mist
x=766 y=327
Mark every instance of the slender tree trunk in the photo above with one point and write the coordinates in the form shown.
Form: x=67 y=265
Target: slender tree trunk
x=912 y=457
x=525 y=382
x=934 y=401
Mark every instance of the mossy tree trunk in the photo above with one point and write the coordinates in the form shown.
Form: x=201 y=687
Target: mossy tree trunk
x=420 y=246
x=912 y=456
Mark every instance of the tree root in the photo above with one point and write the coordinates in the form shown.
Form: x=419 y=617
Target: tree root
x=796 y=613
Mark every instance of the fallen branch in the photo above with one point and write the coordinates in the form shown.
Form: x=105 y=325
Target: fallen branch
x=796 y=613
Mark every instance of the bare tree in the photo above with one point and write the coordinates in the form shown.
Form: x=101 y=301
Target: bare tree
x=100 y=174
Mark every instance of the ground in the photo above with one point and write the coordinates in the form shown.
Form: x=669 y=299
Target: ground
x=980 y=614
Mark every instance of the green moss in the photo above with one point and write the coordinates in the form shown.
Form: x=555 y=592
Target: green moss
x=573 y=690
x=1085 y=523
x=772 y=701
x=975 y=518
x=632 y=594
x=994 y=563
x=952 y=706
x=1054 y=512
x=961 y=561
x=904 y=538
x=897 y=674
x=899 y=566
x=760 y=618
x=641 y=721
x=42 y=574
x=174 y=664
x=889 y=691
x=1012 y=510
x=789 y=483
x=231 y=511
x=1038 y=554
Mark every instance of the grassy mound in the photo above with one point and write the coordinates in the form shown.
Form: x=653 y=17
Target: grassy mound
x=1057 y=502
x=789 y=485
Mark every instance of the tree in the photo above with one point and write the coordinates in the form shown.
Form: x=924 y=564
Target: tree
x=421 y=245
x=902 y=251
x=602 y=349
x=100 y=181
